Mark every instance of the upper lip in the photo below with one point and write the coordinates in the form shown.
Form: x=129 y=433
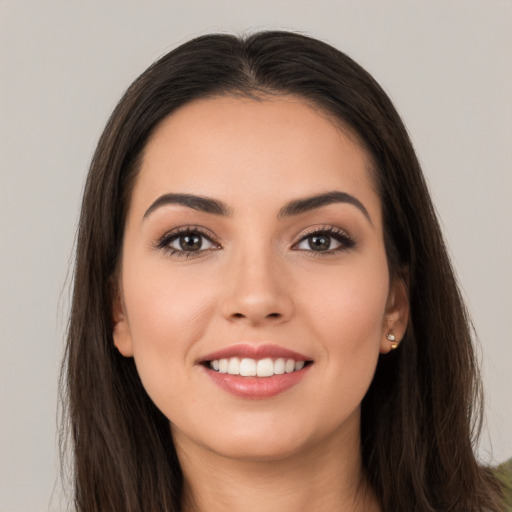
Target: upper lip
x=260 y=351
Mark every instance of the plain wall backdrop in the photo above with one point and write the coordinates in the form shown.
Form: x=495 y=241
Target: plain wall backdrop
x=64 y=65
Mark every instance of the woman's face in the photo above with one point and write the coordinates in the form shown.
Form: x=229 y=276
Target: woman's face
x=254 y=245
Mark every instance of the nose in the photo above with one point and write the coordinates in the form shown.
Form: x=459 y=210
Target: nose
x=258 y=292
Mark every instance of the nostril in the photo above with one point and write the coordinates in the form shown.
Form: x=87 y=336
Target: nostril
x=270 y=315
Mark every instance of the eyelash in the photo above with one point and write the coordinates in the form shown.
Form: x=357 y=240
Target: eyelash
x=164 y=242
x=342 y=237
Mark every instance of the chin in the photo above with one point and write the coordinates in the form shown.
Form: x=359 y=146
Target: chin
x=273 y=441
x=247 y=448
x=245 y=440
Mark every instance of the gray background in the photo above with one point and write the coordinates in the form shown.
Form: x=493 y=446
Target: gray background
x=64 y=65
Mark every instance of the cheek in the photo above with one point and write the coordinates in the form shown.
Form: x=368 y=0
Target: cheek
x=167 y=315
x=344 y=310
x=346 y=305
x=169 y=303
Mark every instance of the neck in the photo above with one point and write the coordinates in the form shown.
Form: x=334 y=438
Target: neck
x=324 y=477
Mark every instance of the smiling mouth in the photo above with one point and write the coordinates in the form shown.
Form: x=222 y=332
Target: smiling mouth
x=248 y=367
x=256 y=372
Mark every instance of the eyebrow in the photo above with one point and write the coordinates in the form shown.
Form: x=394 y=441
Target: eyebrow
x=299 y=206
x=295 y=207
x=200 y=203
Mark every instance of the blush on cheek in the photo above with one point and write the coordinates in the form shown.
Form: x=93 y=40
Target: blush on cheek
x=163 y=296
x=350 y=307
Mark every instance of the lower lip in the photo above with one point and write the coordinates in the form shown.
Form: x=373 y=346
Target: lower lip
x=257 y=387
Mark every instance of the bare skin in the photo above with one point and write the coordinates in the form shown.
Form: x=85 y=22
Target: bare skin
x=251 y=268
x=312 y=481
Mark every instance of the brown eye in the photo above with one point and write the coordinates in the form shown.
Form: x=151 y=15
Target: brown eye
x=190 y=242
x=187 y=242
x=327 y=240
x=319 y=242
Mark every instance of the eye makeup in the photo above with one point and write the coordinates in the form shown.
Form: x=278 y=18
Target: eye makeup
x=187 y=241
x=195 y=241
x=325 y=240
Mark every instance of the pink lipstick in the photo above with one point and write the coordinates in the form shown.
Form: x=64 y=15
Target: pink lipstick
x=255 y=371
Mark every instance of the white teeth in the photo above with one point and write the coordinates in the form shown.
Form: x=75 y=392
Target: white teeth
x=279 y=366
x=248 y=367
x=234 y=366
x=265 y=367
x=223 y=365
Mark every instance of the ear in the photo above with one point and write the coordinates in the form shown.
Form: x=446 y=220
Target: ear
x=121 y=330
x=397 y=313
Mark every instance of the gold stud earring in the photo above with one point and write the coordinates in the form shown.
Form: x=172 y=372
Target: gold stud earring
x=391 y=337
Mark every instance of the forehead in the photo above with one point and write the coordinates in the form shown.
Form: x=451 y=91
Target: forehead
x=237 y=149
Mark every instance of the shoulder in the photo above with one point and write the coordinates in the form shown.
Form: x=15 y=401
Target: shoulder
x=504 y=474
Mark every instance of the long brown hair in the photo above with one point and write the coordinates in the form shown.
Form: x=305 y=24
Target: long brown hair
x=421 y=415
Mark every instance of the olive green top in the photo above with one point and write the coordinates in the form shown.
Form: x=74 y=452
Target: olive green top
x=504 y=473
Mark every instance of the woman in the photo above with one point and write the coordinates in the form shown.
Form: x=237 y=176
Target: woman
x=264 y=314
